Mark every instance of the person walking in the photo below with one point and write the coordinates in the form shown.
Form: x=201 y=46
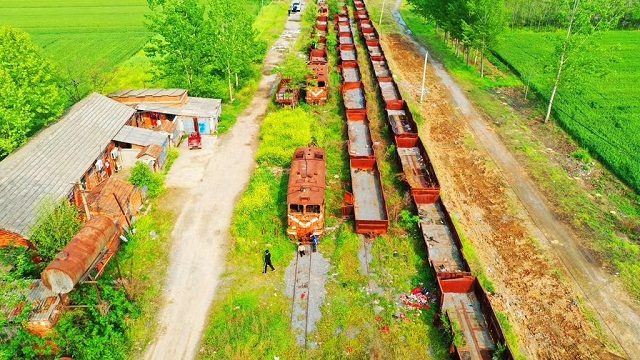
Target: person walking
x=267 y=261
x=301 y=249
x=314 y=241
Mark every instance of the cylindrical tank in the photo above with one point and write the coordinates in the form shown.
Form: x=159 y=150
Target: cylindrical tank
x=64 y=272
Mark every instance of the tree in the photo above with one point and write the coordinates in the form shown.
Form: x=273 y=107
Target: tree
x=295 y=69
x=179 y=47
x=30 y=92
x=583 y=19
x=57 y=224
x=486 y=23
x=142 y=176
x=232 y=40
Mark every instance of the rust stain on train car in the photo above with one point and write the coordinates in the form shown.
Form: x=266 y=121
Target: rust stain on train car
x=64 y=272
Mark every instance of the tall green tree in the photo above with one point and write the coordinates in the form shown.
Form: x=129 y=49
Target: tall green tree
x=30 y=92
x=583 y=20
x=232 y=40
x=295 y=69
x=487 y=21
x=179 y=48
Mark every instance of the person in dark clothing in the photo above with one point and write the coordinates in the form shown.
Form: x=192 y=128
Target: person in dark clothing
x=314 y=242
x=267 y=261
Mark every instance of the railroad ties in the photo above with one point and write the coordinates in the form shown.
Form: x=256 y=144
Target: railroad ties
x=462 y=300
x=367 y=202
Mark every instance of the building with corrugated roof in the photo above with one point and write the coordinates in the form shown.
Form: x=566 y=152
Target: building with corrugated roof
x=159 y=109
x=74 y=154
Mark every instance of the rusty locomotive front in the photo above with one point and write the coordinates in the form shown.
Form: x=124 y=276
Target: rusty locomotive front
x=305 y=194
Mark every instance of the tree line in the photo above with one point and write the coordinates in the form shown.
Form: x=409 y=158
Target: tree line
x=208 y=47
x=469 y=24
x=548 y=14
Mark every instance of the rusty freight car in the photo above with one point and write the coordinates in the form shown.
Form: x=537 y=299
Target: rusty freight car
x=286 y=95
x=318 y=83
x=305 y=194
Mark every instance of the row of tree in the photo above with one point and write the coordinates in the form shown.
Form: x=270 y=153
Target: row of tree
x=207 y=47
x=477 y=24
x=31 y=92
x=473 y=24
x=550 y=13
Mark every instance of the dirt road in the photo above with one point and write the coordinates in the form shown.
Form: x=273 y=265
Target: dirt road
x=500 y=210
x=204 y=186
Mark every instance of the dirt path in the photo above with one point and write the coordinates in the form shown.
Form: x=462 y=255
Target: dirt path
x=500 y=209
x=204 y=186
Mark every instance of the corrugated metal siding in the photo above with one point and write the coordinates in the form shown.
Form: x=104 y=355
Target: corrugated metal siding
x=60 y=154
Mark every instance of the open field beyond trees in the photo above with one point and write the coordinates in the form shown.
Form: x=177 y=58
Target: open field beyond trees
x=601 y=111
x=84 y=38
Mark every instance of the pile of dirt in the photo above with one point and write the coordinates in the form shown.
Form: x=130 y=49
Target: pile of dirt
x=530 y=289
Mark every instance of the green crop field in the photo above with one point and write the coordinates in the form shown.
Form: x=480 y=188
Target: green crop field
x=603 y=113
x=83 y=37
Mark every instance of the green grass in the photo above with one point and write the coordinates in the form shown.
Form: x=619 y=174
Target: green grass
x=254 y=320
x=141 y=253
x=606 y=215
x=425 y=33
x=603 y=112
x=86 y=39
x=271 y=21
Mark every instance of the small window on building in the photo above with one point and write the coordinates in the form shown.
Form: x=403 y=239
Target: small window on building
x=319 y=156
x=313 y=209
x=296 y=208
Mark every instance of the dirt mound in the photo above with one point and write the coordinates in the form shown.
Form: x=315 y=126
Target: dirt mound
x=529 y=286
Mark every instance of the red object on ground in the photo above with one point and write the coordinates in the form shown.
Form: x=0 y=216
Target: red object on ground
x=378 y=318
x=416 y=291
x=195 y=141
x=385 y=329
x=302 y=296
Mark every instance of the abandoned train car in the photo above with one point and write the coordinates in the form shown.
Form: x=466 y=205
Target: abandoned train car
x=305 y=194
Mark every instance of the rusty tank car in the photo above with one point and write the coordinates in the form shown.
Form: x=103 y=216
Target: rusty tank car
x=305 y=194
x=96 y=238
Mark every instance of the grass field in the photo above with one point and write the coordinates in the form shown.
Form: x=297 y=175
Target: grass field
x=251 y=316
x=603 y=114
x=599 y=213
x=85 y=38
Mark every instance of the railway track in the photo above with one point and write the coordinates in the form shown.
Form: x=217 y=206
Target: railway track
x=462 y=298
x=301 y=296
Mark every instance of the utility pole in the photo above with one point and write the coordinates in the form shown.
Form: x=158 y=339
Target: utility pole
x=78 y=185
x=382 y=12
x=424 y=76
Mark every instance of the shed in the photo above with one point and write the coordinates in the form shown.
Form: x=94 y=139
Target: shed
x=112 y=198
x=49 y=165
x=174 y=105
x=135 y=97
x=207 y=111
x=138 y=144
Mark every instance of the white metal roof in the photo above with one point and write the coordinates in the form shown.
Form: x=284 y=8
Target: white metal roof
x=195 y=106
x=56 y=157
x=139 y=136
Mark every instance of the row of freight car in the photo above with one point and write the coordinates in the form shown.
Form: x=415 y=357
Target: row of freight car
x=462 y=300
x=367 y=203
